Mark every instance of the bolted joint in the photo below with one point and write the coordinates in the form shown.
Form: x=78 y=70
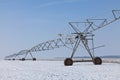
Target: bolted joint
x=82 y=37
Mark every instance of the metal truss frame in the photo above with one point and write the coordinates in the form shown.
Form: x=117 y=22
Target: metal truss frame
x=78 y=37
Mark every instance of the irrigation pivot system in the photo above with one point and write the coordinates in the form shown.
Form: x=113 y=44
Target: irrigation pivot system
x=48 y=45
x=82 y=35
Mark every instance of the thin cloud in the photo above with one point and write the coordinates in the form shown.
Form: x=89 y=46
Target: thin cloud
x=56 y=3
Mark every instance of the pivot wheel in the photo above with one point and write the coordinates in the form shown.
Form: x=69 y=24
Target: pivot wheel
x=23 y=59
x=68 y=62
x=97 y=61
x=34 y=59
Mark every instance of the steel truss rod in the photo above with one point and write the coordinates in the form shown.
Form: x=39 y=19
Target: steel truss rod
x=85 y=39
x=52 y=44
x=10 y=56
x=48 y=45
x=76 y=25
x=75 y=47
x=104 y=22
x=13 y=56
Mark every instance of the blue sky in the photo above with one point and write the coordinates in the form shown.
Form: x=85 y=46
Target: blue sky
x=26 y=23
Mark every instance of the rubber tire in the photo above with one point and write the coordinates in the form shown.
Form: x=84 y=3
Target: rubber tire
x=23 y=59
x=97 y=61
x=68 y=62
x=34 y=59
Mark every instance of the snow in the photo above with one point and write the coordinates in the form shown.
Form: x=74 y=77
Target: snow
x=55 y=70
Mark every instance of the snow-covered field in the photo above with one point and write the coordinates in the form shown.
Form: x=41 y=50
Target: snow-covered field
x=55 y=70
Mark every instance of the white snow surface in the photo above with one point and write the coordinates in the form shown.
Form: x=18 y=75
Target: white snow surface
x=55 y=70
